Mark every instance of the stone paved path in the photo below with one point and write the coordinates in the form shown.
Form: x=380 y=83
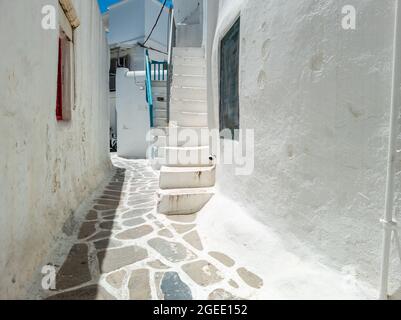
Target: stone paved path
x=125 y=250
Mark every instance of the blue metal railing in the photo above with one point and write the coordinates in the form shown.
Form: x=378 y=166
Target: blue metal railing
x=149 y=95
x=155 y=71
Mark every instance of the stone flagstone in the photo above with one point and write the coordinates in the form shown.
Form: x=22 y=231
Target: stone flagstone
x=113 y=259
x=173 y=288
x=139 y=286
x=135 y=233
x=134 y=222
x=250 y=278
x=194 y=240
x=221 y=294
x=116 y=279
x=203 y=273
x=183 y=228
x=166 y=233
x=190 y=218
x=172 y=251
x=224 y=259
x=166 y=267
x=75 y=270
x=87 y=229
x=157 y=264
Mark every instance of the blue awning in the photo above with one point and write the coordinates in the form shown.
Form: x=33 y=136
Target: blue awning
x=104 y=4
x=169 y=3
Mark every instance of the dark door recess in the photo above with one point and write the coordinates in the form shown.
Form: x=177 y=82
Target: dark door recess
x=229 y=79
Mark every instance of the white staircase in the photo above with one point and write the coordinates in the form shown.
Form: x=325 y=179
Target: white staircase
x=187 y=173
x=159 y=91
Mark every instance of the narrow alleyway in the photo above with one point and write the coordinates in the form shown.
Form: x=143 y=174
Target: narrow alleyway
x=125 y=250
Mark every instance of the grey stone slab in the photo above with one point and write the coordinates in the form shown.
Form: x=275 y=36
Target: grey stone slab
x=194 y=240
x=113 y=259
x=135 y=233
x=223 y=258
x=173 y=288
x=250 y=278
x=75 y=270
x=203 y=273
x=172 y=251
x=221 y=294
x=139 y=285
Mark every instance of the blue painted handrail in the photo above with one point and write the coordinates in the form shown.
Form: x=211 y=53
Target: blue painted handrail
x=149 y=95
x=158 y=68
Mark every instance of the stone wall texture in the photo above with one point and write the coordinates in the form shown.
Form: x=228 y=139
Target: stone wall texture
x=47 y=167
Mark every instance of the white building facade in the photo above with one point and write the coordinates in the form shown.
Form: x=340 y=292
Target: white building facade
x=129 y=24
x=52 y=161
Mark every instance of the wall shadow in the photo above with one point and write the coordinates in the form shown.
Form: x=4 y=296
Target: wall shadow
x=74 y=280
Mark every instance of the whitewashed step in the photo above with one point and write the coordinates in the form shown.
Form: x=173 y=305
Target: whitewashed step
x=187 y=177
x=160 y=131
x=189 y=81
x=185 y=156
x=188 y=105
x=190 y=61
x=188 y=137
x=156 y=83
x=189 y=119
x=188 y=52
x=159 y=91
x=160 y=122
x=160 y=105
x=183 y=201
x=188 y=70
x=160 y=141
x=160 y=113
x=189 y=93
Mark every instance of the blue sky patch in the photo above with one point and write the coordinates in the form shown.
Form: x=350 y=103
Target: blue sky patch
x=104 y=4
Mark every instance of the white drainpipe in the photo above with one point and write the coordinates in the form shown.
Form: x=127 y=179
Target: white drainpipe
x=389 y=222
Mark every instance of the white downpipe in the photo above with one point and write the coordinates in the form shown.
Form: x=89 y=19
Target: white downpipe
x=389 y=223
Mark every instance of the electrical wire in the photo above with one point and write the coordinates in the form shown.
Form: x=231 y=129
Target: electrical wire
x=150 y=48
x=157 y=21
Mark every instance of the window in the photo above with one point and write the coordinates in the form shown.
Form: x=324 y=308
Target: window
x=65 y=70
x=229 y=79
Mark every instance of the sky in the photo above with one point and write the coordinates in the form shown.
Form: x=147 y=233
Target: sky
x=106 y=3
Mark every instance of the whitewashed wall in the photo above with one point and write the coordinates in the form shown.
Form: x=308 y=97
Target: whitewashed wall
x=46 y=168
x=113 y=111
x=318 y=98
x=188 y=15
x=133 y=120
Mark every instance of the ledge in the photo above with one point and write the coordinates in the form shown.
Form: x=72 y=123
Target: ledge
x=70 y=13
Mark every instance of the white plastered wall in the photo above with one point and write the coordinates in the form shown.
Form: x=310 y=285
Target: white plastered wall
x=47 y=168
x=318 y=98
x=133 y=120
